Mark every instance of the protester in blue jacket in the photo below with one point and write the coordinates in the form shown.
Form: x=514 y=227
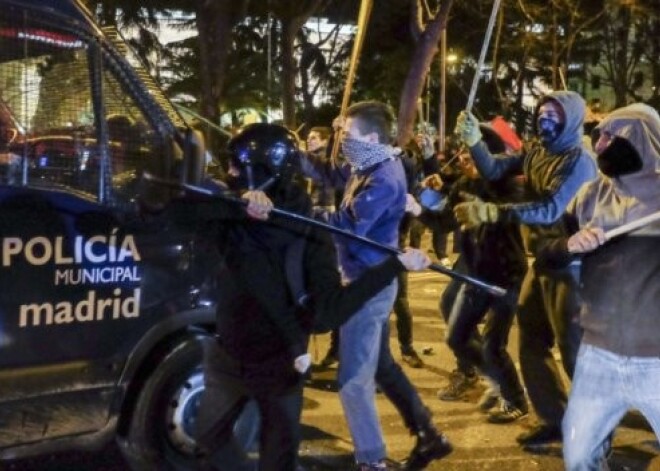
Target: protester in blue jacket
x=373 y=205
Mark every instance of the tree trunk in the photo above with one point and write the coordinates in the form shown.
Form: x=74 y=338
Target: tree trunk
x=425 y=50
x=289 y=69
x=214 y=26
x=622 y=36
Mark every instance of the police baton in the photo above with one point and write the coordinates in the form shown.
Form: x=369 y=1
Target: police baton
x=491 y=289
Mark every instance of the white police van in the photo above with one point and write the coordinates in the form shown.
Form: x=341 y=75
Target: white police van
x=103 y=306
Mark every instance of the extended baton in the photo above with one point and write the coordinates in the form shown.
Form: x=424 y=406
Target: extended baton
x=492 y=289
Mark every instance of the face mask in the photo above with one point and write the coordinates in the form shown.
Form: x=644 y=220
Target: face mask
x=619 y=158
x=548 y=129
x=361 y=155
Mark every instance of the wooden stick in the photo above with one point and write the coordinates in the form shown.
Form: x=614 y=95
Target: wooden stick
x=482 y=57
x=632 y=226
x=363 y=20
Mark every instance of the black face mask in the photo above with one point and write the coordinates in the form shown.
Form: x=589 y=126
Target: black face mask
x=549 y=129
x=619 y=158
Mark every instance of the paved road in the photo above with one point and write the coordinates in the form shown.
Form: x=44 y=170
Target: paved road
x=479 y=446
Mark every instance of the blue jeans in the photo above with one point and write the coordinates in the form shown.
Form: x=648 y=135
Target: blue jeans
x=364 y=360
x=605 y=386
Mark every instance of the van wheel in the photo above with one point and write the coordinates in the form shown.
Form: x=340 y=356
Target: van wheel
x=160 y=435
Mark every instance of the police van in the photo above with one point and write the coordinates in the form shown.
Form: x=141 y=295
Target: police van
x=105 y=300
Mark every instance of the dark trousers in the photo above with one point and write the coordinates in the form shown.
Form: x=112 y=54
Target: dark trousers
x=403 y=315
x=334 y=343
x=399 y=390
x=439 y=242
x=548 y=314
x=224 y=398
x=488 y=353
x=438 y=238
x=447 y=300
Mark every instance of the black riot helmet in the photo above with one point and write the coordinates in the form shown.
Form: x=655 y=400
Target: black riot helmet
x=264 y=155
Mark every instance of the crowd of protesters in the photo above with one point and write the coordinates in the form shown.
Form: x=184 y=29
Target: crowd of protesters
x=531 y=218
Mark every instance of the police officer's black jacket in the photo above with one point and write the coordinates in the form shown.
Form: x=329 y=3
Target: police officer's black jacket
x=259 y=322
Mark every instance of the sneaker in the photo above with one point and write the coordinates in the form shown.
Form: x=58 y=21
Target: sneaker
x=385 y=464
x=542 y=434
x=459 y=384
x=329 y=360
x=411 y=358
x=488 y=400
x=427 y=449
x=507 y=412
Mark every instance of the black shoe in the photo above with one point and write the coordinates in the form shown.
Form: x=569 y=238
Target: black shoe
x=459 y=384
x=431 y=447
x=411 y=358
x=507 y=412
x=540 y=435
x=329 y=360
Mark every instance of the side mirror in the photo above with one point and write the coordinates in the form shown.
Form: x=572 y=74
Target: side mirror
x=194 y=158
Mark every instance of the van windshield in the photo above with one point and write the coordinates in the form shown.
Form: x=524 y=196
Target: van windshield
x=51 y=100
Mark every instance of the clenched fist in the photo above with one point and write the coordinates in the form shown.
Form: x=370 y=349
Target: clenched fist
x=586 y=240
x=259 y=205
x=414 y=259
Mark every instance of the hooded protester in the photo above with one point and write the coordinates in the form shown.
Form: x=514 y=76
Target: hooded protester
x=279 y=281
x=554 y=168
x=493 y=252
x=618 y=365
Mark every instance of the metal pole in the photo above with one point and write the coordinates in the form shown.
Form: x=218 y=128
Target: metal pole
x=442 y=110
x=269 y=66
x=482 y=56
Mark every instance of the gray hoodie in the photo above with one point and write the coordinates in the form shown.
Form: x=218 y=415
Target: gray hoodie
x=553 y=173
x=621 y=279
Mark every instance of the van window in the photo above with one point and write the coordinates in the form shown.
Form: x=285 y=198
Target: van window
x=45 y=107
x=132 y=142
x=49 y=135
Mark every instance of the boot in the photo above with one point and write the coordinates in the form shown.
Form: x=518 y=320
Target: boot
x=431 y=445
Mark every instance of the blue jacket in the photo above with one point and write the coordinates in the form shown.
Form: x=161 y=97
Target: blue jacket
x=373 y=205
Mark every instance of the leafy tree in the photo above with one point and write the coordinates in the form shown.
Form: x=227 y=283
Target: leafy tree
x=216 y=20
x=292 y=17
x=629 y=36
x=320 y=66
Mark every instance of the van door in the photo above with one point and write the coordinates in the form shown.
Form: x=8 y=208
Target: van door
x=83 y=275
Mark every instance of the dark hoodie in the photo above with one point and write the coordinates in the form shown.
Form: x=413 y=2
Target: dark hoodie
x=553 y=172
x=620 y=280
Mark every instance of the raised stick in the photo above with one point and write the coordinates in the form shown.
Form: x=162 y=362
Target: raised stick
x=482 y=56
x=363 y=20
x=632 y=225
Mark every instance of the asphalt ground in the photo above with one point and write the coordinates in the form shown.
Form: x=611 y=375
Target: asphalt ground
x=478 y=445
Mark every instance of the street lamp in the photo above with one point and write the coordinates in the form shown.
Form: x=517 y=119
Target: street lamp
x=452 y=58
